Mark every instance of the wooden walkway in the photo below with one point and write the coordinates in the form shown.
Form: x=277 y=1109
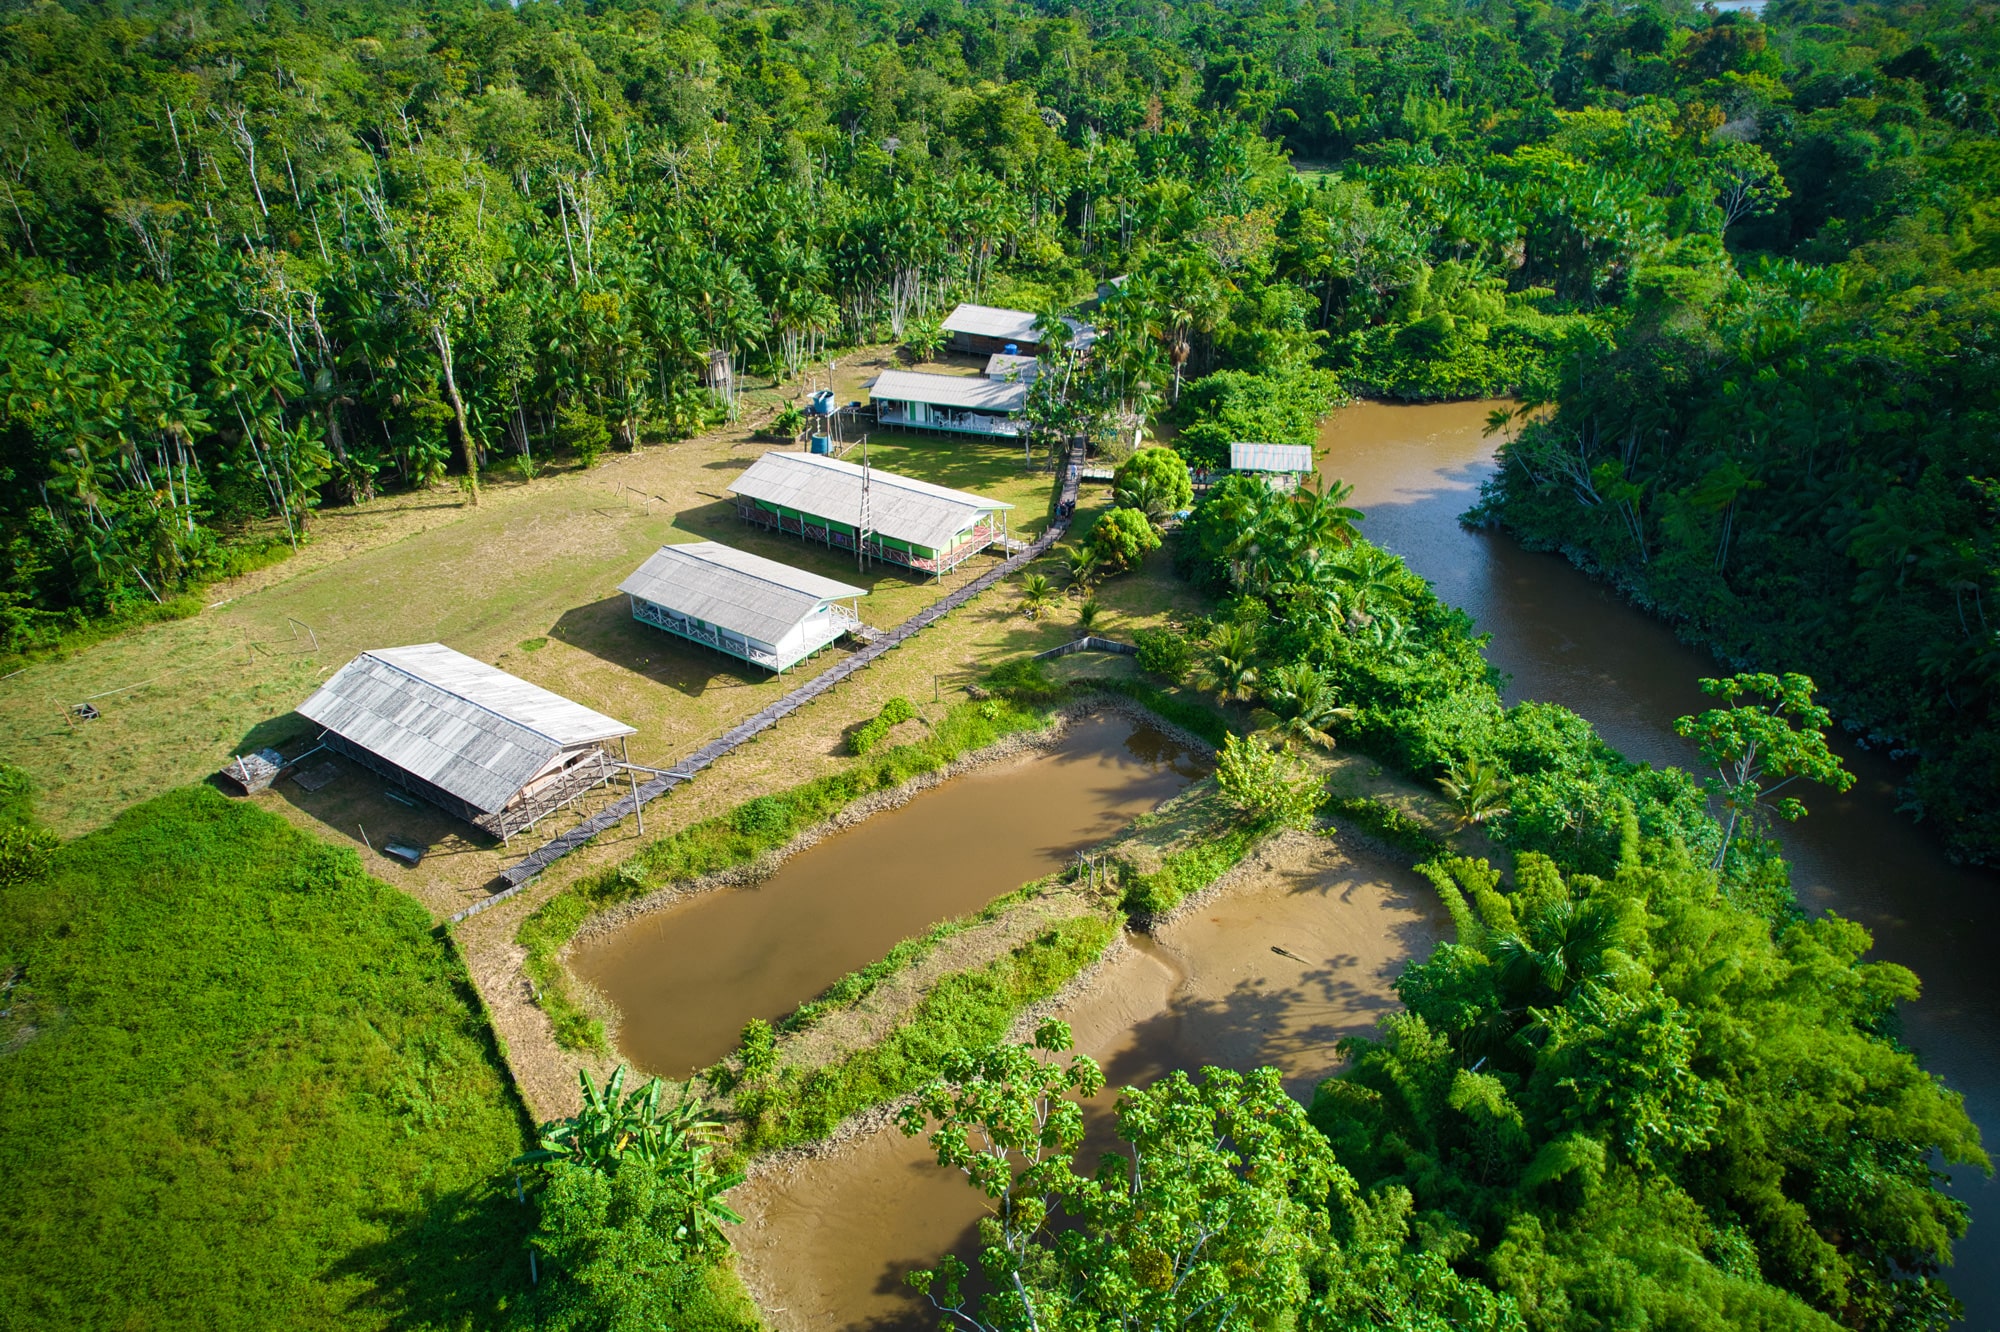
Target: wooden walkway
x=518 y=875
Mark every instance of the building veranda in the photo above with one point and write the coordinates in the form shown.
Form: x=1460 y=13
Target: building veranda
x=960 y=404
x=895 y=519
x=487 y=746
x=758 y=610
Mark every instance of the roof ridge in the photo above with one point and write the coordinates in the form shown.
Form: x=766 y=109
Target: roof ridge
x=375 y=654
x=768 y=582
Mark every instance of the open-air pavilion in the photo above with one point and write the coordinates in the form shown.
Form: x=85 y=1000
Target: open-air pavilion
x=487 y=746
x=891 y=518
x=961 y=404
x=767 y=613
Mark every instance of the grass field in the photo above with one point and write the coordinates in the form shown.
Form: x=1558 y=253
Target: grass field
x=243 y=1085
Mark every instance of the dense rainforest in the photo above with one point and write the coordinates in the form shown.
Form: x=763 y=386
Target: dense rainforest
x=259 y=259
x=1738 y=270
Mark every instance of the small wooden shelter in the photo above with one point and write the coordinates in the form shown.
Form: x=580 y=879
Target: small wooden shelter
x=469 y=738
x=767 y=613
x=962 y=404
x=891 y=518
x=1005 y=369
x=1282 y=466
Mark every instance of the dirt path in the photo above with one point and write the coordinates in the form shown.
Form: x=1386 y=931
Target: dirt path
x=826 y=1240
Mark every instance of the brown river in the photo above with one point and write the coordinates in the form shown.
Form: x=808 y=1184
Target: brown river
x=827 y=1241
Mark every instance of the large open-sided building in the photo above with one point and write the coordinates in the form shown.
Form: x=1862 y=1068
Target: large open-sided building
x=767 y=613
x=913 y=523
x=1282 y=466
x=963 y=404
x=469 y=738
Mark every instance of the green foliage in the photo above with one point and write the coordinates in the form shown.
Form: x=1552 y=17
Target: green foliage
x=1266 y=785
x=1239 y=406
x=616 y=1253
x=1189 y=714
x=1165 y=652
x=1120 y=538
x=1388 y=824
x=1625 y=1096
x=1216 y=1193
x=869 y=734
x=1154 y=481
x=582 y=433
x=1188 y=870
x=300 y=1117
x=738 y=838
x=1758 y=749
x=963 y=1011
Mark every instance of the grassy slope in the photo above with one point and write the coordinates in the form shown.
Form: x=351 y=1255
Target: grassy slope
x=242 y=1085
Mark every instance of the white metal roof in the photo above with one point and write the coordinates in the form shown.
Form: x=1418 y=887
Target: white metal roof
x=1271 y=457
x=743 y=593
x=464 y=726
x=898 y=506
x=969 y=392
x=992 y=321
x=1021 y=369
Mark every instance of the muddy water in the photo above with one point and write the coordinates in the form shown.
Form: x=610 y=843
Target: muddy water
x=687 y=978
x=1563 y=638
x=827 y=1243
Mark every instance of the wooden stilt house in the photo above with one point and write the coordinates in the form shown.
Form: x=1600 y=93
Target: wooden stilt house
x=891 y=518
x=767 y=613
x=469 y=738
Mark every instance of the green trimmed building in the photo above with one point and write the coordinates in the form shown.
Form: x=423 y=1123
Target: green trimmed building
x=912 y=523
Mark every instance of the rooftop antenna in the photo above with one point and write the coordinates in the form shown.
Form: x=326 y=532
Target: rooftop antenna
x=861 y=528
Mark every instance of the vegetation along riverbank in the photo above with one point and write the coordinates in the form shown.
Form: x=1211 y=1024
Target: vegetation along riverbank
x=332 y=329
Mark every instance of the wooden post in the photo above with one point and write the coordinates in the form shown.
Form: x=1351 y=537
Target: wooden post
x=637 y=808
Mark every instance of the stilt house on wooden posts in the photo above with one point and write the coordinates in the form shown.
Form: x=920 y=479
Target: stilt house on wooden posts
x=467 y=737
x=892 y=518
x=963 y=404
x=985 y=329
x=1282 y=466
x=767 y=613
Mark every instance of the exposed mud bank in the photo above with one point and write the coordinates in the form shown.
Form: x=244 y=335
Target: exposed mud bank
x=830 y=1230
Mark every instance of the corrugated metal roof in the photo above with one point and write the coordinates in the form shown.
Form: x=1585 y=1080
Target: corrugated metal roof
x=991 y=321
x=1271 y=457
x=898 y=506
x=1019 y=369
x=970 y=392
x=464 y=726
x=743 y=593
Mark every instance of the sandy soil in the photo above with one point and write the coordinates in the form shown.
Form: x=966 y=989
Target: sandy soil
x=826 y=1240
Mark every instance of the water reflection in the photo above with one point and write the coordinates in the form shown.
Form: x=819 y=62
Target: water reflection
x=1560 y=636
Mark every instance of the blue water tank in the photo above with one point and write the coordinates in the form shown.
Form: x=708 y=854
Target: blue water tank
x=821 y=444
x=822 y=402
x=1013 y=349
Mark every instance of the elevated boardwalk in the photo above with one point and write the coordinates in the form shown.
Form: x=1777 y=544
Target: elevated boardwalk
x=518 y=875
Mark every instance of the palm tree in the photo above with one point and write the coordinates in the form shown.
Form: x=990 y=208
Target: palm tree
x=1302 y=706
x=1323 y=515
x=1081 y=566
x=1036 y=594
x=1230 y=667
x=1144 y=494
x=1477 y=790
x=1369 y=585
x=1087 y=613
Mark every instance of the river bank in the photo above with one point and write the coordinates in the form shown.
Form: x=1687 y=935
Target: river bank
x=1558 y=636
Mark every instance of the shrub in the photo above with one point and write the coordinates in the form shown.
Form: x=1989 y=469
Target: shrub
x=1165 y=469
x=1266 y=784
x=869 y=734
x=1165 y=652
x=1121 y=538
x=582 y=432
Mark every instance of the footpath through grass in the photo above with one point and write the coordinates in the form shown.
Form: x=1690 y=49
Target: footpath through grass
x=243 y=1085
